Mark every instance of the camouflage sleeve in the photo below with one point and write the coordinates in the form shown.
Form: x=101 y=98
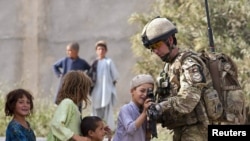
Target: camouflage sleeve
x=191 y=83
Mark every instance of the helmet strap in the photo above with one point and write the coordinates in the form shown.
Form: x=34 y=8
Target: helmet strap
x=167 y=57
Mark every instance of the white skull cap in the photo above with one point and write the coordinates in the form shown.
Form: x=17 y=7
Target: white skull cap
x=141 y=79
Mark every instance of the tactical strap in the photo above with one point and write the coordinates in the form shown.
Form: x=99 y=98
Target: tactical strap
x=229 y=71
x=233 y=72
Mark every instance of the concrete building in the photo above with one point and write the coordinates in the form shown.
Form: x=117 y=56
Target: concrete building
x=34 y=34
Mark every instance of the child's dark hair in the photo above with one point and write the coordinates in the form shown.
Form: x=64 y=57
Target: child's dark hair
x=75 y=86
x=89 y=123
x=101 y=43
x=13 y=96
x=74 y=45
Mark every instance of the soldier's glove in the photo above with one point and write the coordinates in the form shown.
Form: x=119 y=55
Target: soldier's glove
x=154 y=111
x=158 y=108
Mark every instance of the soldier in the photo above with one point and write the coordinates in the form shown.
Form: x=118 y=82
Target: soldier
x=180 y=85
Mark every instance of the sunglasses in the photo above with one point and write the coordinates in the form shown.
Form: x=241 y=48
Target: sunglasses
x=156 y=45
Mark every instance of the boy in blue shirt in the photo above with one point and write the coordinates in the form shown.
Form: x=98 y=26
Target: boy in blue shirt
x=71 y=62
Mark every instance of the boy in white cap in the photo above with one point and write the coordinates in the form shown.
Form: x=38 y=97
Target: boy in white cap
x=104 y=76
x=131 y=123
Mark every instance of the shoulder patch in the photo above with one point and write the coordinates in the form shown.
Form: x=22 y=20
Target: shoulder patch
x=192 y=71
x=195 y=74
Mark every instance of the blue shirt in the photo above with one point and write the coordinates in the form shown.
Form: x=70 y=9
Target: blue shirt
x=16 y=132
x=126 y=129
x=62 y=66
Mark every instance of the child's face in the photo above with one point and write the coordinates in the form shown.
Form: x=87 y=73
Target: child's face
x=139 y=94
x=101 y=52
x=99 y=133
x=22 y=107
x=72 y=53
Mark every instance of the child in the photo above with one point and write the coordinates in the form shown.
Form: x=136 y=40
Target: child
x=71 y=62
x=19 y=104
x=103 y=95
x=132 y=117
x=65 y=124
x=93 y=128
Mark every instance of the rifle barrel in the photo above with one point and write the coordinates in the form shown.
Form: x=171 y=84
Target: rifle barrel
x=210 y=32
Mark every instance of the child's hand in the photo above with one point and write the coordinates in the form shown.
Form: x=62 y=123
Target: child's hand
x=147 y=104
x=108 y=132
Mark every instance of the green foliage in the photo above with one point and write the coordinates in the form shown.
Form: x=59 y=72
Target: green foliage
x=4 y=120
x=229 y=23
x=40 y=118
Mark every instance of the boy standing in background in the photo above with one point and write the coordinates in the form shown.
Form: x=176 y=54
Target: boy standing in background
x=103 y=95
x=71 y=62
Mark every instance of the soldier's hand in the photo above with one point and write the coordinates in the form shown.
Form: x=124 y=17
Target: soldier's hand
x=158 y=108
x=153 y=113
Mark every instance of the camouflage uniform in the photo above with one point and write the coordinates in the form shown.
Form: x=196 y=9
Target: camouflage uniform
x=179 y=103
x=183 y=111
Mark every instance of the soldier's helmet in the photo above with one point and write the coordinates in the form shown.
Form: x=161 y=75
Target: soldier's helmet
x=157 y=30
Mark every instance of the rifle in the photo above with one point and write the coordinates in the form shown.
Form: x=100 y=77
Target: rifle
x=152 y=116
x=210 y=32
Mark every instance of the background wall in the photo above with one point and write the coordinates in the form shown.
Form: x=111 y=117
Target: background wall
x=34 y=34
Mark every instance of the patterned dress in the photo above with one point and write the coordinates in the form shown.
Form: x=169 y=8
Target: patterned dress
x=16 y=132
